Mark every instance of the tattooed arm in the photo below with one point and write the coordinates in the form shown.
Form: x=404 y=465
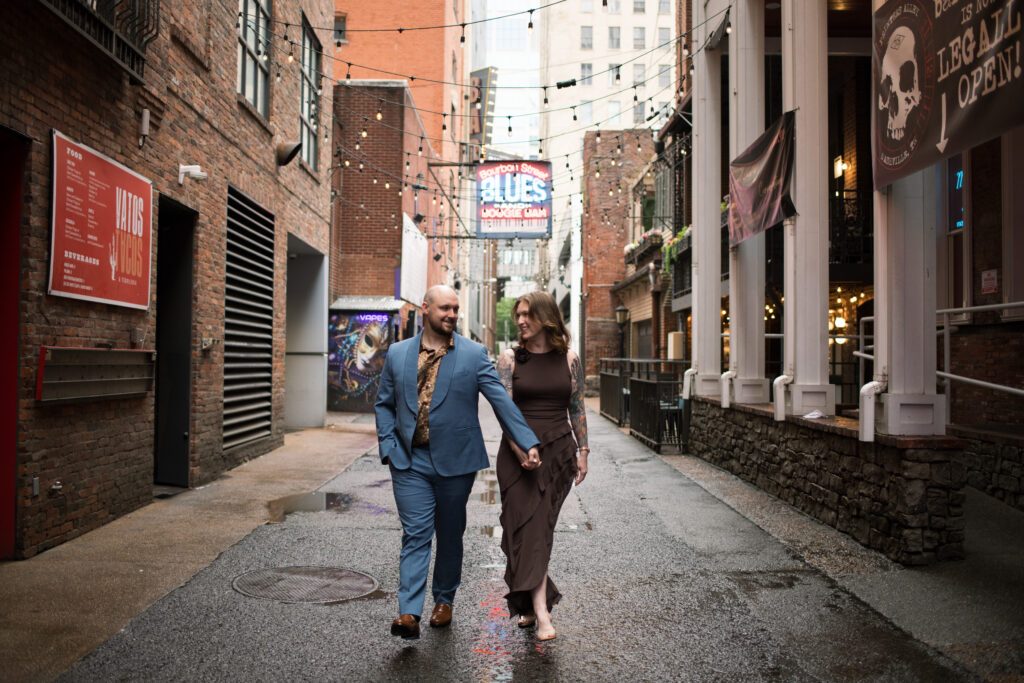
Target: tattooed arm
x=578 y=413
x=505 y=367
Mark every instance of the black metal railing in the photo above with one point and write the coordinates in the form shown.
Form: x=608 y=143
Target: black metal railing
x=614 y=389
x=656 y=412
x=655 y=422
x=121 y=28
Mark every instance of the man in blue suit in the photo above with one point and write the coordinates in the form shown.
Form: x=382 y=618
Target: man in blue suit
x=429 y=434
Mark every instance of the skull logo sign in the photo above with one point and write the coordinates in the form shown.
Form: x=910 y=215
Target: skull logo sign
x=899 y=92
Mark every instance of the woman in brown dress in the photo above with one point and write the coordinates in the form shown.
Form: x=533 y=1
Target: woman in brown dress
x=545 y=379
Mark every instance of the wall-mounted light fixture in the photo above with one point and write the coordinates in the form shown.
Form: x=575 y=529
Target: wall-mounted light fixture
x=191 y=171
x=838 y=166
x=143 y=127
x=286 y=151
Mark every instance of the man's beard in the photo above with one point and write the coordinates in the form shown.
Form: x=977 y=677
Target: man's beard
x=439 y=328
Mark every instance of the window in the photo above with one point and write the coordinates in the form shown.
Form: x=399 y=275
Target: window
x=639 y=40
x=664 y=37
x=253 y=57
x=957 y=263
x=586 y=74
x=639 y=6
x=638 y=74
x=587 y=112
x=586 y=6
x=664 y=7
x=638 y=114
x=309 y=109
x=614 y=6
x=664 y=75
x=614 y=112
x=614 y=76
x=340 y=37
x=586 y=37
x=614 y=39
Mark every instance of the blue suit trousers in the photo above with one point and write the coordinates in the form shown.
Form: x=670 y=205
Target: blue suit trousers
x=428 y=505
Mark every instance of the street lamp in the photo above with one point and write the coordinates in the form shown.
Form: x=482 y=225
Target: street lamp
x=621 y=317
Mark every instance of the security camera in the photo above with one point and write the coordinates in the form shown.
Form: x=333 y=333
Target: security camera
x=193 y=172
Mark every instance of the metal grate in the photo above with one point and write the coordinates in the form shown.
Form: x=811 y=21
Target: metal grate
x=248 y=321
x=319 y=585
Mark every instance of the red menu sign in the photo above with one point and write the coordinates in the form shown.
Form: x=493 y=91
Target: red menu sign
x=102 y=228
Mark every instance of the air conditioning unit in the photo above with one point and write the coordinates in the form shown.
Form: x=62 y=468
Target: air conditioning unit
x=675 y=346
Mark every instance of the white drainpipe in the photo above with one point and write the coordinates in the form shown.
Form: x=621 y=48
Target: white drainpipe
x=778 y=389
x=866 y=429
x=726 y=378
x=687 y=384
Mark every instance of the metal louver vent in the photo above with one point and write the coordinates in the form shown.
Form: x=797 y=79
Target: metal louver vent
x=248 y=321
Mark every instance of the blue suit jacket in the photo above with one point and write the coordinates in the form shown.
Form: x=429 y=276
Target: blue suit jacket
x=456 y=442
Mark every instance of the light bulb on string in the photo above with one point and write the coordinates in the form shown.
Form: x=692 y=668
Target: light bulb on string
x=529 y=27
x=574 y=114
x=510 y=126
x=462 y=38
x=380 y=110
x=545 y=97
x=420 y=151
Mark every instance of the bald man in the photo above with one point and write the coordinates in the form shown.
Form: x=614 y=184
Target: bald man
x=429 y=435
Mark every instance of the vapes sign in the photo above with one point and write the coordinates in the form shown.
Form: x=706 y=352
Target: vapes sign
x=513 y=199
x=102 y=234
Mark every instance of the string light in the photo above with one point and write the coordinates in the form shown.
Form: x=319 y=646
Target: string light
x=462 y=38
x=545 y=97
x=380 y=110
x=510 y=126
x=529 y=27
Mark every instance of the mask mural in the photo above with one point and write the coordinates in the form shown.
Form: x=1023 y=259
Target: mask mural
x=357 y=345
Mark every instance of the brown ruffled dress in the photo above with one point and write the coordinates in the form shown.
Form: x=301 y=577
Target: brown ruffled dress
x=531 y=499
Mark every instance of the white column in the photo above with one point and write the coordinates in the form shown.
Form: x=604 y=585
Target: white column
x=805 y=89
x=905 y=342
x=707 y=213
x=746 y=262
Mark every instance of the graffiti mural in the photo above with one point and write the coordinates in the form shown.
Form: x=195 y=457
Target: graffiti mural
x=357 y=344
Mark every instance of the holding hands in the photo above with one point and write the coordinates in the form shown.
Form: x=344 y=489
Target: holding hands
x=530 y=460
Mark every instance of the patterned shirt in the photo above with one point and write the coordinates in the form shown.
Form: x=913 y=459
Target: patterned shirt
x=427 y=365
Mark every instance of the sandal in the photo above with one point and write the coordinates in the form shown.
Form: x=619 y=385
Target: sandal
x=548 y=636
x=526 y=621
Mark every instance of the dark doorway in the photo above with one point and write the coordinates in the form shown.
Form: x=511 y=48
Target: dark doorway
x=173 y=343
x=13 y=149
x=644 y=347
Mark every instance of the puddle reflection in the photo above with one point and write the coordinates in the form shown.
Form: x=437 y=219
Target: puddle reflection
x=490 y=494
x=318 y=501
x=492 y=531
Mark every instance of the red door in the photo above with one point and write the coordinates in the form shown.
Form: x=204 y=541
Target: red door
x=13 y=148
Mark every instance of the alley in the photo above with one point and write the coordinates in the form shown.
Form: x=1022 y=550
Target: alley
x=662 y=581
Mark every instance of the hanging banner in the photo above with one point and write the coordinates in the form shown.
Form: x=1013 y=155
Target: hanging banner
x=759 y=182
x=101 y=235
x=947 y=75
x=513 y=199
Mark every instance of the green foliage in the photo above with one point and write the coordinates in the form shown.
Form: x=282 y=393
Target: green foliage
x=503 y=312
x=670 y=249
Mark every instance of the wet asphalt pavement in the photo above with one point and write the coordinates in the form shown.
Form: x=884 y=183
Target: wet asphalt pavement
x=661 y=581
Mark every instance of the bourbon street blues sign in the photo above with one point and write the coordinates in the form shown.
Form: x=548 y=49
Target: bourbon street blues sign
x=513 y=199
x=947 y=76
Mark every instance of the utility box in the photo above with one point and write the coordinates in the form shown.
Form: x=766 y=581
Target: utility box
x=675 y=346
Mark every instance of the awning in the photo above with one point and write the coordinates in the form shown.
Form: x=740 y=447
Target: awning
x=366 y=303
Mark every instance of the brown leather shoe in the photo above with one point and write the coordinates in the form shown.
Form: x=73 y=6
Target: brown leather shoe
x=406 y=626
x=442 y=615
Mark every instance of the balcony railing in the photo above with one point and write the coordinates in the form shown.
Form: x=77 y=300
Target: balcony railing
x=647 y=249
x=120 y=28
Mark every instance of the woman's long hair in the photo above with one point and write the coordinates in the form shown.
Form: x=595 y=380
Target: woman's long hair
x=545 y=311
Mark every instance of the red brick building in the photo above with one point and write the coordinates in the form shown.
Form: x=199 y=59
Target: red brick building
x=203 y=104
x=609 y=169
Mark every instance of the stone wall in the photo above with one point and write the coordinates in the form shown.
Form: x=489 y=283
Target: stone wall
x=994 y=463
x=902 y=497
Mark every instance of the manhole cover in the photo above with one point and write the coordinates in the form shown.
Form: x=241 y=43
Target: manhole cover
x=305 y=584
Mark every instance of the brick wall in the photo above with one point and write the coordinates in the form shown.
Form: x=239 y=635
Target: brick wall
x=605 y=231
x=102 y=451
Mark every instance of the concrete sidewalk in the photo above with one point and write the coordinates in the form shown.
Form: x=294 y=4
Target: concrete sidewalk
x=61 y=604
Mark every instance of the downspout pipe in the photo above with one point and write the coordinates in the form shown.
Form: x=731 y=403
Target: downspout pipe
x=688 y=383
x=725 y=380
x=868 y=392
x=779 y=393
